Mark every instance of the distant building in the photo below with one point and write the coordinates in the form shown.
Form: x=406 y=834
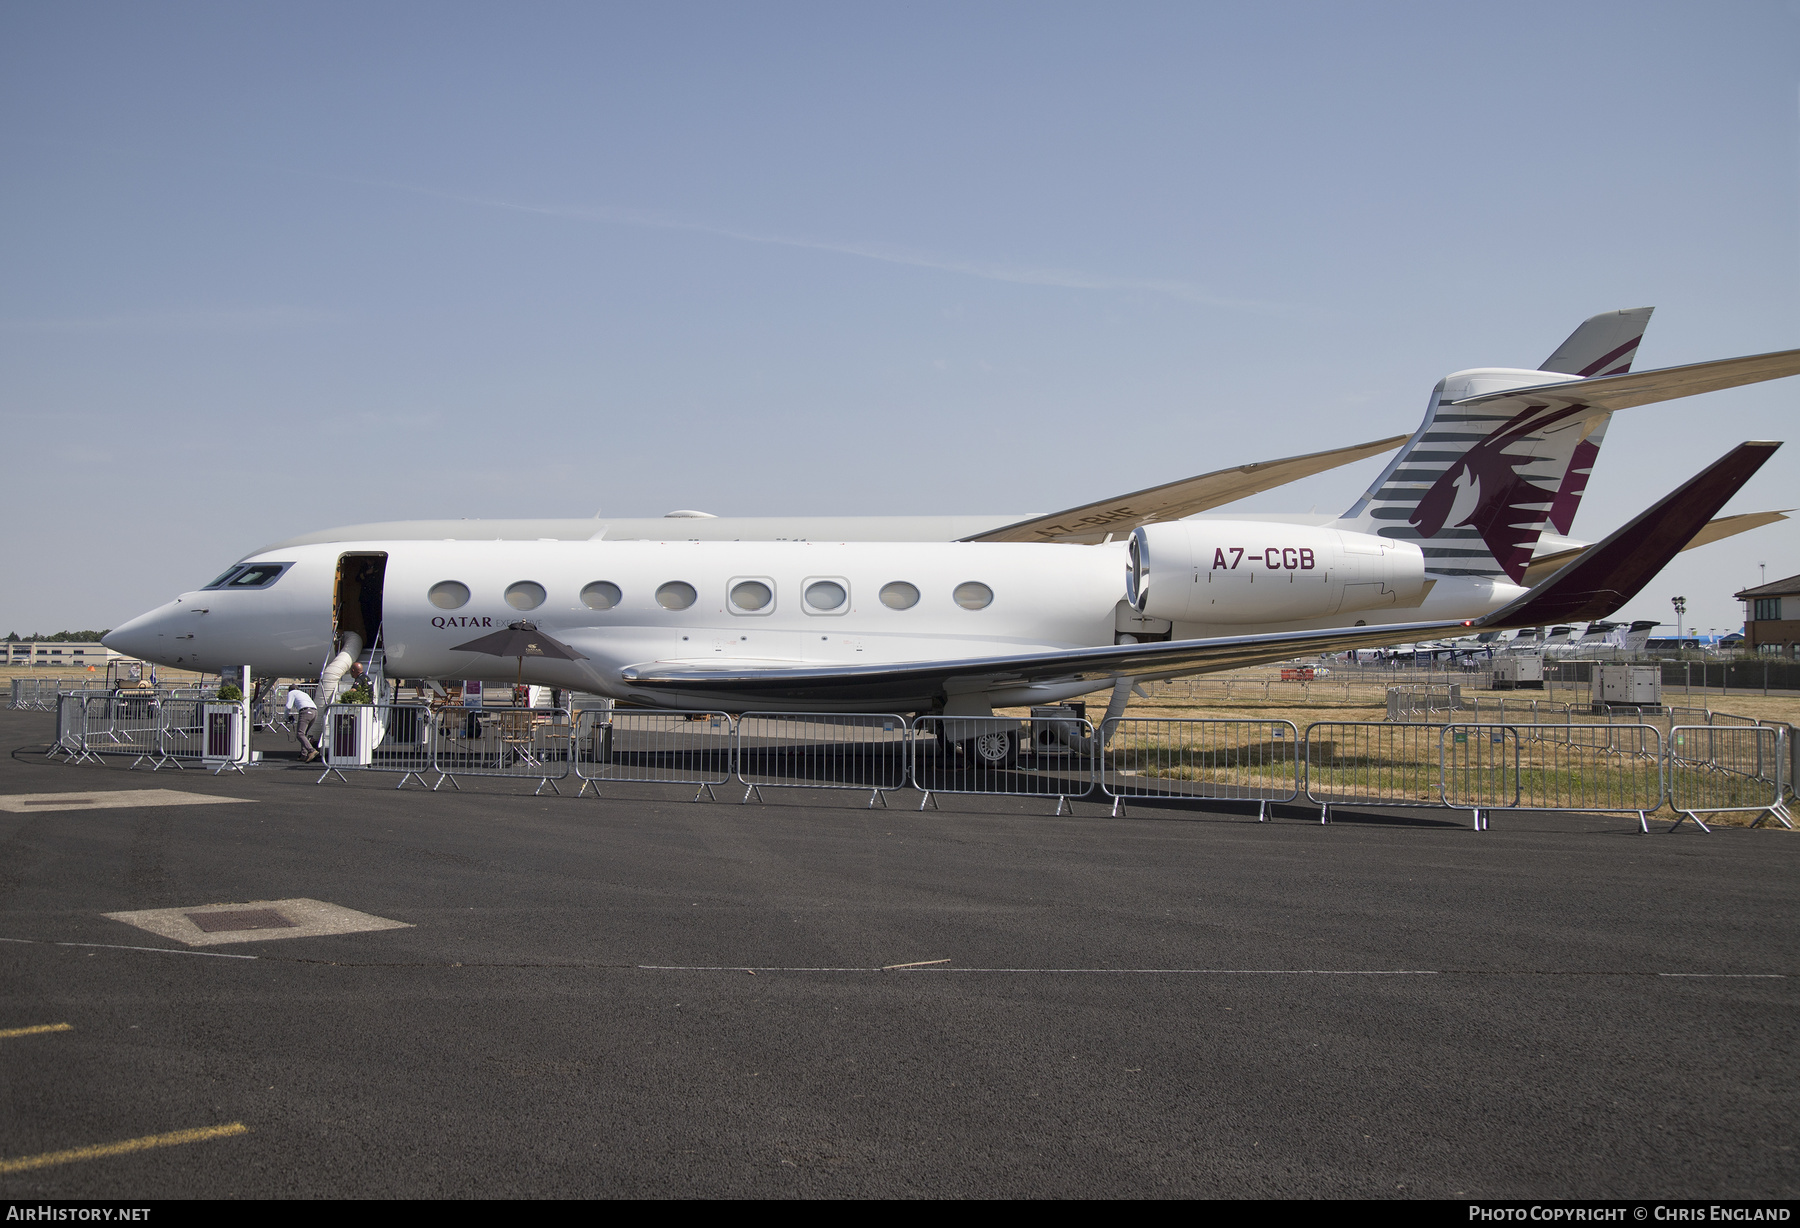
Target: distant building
x=60 y=654
x=1772 y=617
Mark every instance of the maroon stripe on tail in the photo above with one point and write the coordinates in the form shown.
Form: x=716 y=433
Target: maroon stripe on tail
x=1574 y=485
x=1600 y=364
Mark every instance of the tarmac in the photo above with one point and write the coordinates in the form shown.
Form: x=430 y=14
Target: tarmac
x=643 y=996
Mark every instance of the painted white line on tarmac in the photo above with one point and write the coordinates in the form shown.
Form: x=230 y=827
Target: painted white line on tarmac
x=108 y=946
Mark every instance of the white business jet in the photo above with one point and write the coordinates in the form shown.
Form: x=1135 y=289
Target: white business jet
x=1497 y=512
x=1440 y=541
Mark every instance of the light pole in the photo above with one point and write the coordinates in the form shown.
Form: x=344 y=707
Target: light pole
x=1680 y=604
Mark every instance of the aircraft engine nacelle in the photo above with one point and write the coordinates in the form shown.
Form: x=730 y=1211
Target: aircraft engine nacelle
x=1243 y=571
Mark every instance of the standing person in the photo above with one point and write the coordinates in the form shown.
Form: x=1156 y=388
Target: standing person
x=301 y=707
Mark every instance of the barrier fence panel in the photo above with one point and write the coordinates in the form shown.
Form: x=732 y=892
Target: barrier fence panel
x=1371 y=762
x=127 y=722
x=1594 y=768
x=388 y=737
x=1717 y=768
x=822 y=750
x=622 y=745
x=39 y=694
x=1239 y=760
x=180 y=733
x=71 y=729
x=1003 y=755
x=522 y=743
x=1478 y=767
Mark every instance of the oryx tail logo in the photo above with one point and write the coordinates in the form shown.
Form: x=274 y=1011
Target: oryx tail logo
x=1485 y=491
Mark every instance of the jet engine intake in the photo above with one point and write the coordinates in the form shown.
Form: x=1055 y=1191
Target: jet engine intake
x=1240 y=571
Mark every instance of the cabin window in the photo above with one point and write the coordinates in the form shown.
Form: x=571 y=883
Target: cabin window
x=525 y=595
x=827 y=597
x=601 y=595
x=449 y=595
x=750 y=597
x=899 y=595
x=973 y=595
x=676 y=595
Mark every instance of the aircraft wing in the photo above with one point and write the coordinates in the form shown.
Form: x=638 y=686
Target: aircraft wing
x=1544 y=566
x=1611 y=392
x=1603 y=579
x=1092 y=522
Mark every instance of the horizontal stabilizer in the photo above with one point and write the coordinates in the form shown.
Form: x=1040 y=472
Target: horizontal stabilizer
x=1645 y=387
x=1118 y=516
x=1731 y=526
x=1544 y=566
x=1609 y=574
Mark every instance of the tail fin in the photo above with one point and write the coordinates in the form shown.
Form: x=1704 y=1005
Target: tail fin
x=1638 y=637
x=1475 y=486
x=1604 y=345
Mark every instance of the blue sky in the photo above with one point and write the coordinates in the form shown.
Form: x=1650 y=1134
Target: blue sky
x=280 y=267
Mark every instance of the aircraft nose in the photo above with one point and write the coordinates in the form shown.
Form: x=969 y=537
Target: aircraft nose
x=145 y=637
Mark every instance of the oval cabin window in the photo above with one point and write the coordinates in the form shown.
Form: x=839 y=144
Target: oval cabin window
x=601 y=595
x=449 y=595
x=751 y=595
x=525 y=595
x=973 y=595
x=826 y=595
x=676 y=595
x=899 y=595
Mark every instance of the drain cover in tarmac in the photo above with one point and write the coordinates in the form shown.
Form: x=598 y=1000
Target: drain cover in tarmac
x=241 y=919
x=254 y=921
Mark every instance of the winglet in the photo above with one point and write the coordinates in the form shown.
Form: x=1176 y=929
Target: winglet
x=1611 y=573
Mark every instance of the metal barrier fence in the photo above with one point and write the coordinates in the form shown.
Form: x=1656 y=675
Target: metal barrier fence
x=1371 y=762
x=386 y=737
x=1594 y=768
x=71 y=729
x=180 y=732
x=37 y=694
x=521 y=743
x=622 y=746
x=1004 y=756
x=124 y=722
x=1714 y=768
x=1237 y=760
x=1464 y=765
x=821 y=750
x=1424 y=703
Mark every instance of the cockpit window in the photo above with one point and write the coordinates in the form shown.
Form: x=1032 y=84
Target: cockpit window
x=253 y=575
x=229 y=572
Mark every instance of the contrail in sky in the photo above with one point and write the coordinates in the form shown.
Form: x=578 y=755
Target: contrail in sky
x=886 y=252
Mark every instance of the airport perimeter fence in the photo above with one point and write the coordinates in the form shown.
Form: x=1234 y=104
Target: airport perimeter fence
x=1475 y=766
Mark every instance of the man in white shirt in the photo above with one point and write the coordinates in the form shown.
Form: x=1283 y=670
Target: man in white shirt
x=301 y=707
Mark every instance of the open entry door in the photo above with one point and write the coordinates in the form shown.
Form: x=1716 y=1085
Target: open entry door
x=356 y=598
